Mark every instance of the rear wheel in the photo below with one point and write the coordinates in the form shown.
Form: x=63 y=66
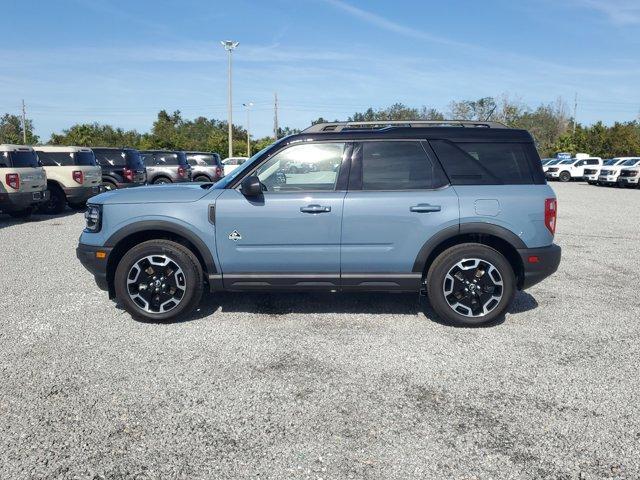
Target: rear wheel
x=78 y=205
x=56 y=203
x=201 y=178
x=108 y=186
x=159 y=280
x=161 y=181
x=470 y=284
x=564 y=176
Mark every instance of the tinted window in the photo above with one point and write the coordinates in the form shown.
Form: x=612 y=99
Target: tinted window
x=484 y=163
x=201 y=159
x=592 y=162
x=133 y=159
x=113 y=158
x=56 y=159
x=23 y=159
x=166 y=159
x=398 y=166
x=147 y=159
x=84 y=158
x=308 y=167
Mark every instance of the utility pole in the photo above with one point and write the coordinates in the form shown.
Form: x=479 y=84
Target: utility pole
x=248 y=106
x=229 y=46
x=575 y=109
x=275 y=115
x=24 y=124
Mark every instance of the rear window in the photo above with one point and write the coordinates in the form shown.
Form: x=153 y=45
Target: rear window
x=485 y=163
x=87 y=159
x=134 y=161
x=19 y=159
x=396 y=165
x=113 y=158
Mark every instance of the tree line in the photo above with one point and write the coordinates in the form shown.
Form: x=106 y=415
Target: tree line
x=550 y=124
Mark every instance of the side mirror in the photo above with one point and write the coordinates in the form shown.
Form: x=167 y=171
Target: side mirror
x=251 y=186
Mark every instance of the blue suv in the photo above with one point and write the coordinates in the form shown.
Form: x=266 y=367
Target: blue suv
x=457 y=210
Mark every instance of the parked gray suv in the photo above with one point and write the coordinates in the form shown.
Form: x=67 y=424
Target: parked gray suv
x=166 y=166
x=459 y=211
x=205 y=166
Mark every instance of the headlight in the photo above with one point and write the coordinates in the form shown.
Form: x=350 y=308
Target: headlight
x=93 y=217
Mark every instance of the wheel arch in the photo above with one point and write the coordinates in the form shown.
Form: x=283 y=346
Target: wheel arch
x=131 y=235
x=499 y=238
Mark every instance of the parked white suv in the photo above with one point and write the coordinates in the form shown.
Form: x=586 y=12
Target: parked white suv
x=591 y=174
x=572 y=169
x=609 y=175
x=629 y=177
x=229 y=164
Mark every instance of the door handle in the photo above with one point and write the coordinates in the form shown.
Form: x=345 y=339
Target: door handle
x=315 y=209
x=425 y=208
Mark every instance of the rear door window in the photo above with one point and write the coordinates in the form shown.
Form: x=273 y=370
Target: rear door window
x=398 y=165
x=111 y=158
x=489 y=163
x=167 y=159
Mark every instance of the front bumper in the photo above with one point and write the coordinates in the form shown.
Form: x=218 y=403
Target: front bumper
x=82 y=194
x=608 y=179
x=552 y=174
x=15 y=202
x=97 y=266
x=539 y=263
x=629 y=181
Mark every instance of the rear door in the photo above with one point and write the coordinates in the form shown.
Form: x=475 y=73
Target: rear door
x=398 y=199
x=289 y=236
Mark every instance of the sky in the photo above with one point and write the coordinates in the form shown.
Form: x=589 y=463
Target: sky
x=120 y=62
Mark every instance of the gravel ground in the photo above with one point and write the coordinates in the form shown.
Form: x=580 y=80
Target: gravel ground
x=325 y=386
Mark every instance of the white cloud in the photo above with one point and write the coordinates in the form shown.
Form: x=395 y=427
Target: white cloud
x=619 y=12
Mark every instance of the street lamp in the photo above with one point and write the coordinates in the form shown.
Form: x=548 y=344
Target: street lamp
x=229 y=46
x=248 y=105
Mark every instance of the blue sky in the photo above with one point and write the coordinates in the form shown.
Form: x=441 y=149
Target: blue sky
x=119 y=62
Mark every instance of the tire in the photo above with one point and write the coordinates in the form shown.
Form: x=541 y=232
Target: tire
x=189 y=285
x=78 y=206
x=161 y=181
x=447 y=266
x=564 y=176
x=108 y=186
x=56 y=203
x=201 y=178
x=22 y=214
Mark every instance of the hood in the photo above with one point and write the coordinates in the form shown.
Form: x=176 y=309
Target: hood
x=175 y=193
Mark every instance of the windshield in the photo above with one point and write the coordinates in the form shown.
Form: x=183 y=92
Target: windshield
x=553 y=162
x=23 y=159
x=227 y=179
x=631 y=162
x=610 y=162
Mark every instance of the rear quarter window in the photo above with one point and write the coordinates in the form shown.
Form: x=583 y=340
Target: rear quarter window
x=110 y=158
x=22 y=159
x=486 y=163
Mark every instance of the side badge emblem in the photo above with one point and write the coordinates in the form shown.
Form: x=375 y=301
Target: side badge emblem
x=235 y=236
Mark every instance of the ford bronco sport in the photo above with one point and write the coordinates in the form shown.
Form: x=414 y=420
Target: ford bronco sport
x=73 y=176
x=205 y=166
x=23 y=182
x=166 y=167
x=121 y=167
x=457 y=210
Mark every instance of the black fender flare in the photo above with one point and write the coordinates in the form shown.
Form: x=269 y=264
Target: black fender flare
x=464 y=229
x=165 y=226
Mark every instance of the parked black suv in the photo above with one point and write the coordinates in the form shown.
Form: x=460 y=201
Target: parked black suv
x=166 y=166
x=121 y=167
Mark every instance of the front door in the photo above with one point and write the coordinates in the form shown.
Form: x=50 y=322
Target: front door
x=290 y=236
x=398 y=199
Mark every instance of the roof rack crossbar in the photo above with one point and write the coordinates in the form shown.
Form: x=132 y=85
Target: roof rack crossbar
x=331 y=127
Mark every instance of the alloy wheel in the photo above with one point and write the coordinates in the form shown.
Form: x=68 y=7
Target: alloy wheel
x=156 y=284
x=473 y=287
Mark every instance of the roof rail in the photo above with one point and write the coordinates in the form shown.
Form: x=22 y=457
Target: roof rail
x=331 y=127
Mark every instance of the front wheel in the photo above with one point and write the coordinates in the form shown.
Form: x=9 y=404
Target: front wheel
x=470 y=284
x=564 y=176
x=159 y=280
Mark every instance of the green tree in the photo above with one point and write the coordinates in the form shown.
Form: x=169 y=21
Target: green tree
x=11 y=130
x=97 y=135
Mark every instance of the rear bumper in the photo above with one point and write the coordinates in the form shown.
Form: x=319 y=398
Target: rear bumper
x=97 y=266
x=15 y=202
x=539 y=263
x=81 y=194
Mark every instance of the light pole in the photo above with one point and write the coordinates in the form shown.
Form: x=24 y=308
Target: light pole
x=248 y=105
x=229 y=46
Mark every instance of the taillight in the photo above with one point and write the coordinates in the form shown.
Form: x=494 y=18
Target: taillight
x=13 y=180
x=551 y=214
x=127 y=173
x=181 y=171
x=78 y=176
